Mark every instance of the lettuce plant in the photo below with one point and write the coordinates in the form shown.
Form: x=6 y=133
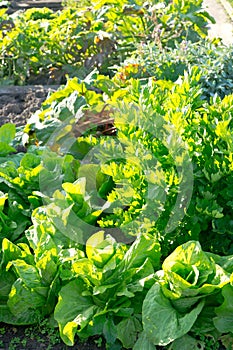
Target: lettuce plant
x=107 y=289
x=188 y=285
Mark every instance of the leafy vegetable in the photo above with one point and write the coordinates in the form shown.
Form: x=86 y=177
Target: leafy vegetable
x=101 y=34
x=174 y=303
x=97 y=296
x=119 y=236
x=7 y=134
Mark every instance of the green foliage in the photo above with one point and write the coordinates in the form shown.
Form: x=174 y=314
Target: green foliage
x=171 y=144
x=27 y=284
x=7 y=134
x=132 y=186
x=213 y=59
x=185 y=292
x=21 y=174
x=120 y=237
x=97 y=296
x=77 y=39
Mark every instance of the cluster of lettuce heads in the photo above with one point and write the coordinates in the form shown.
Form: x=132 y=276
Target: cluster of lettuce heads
x=127 y=236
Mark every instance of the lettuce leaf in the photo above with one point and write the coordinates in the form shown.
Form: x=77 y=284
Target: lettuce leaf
x=108 y=287
x=28 y=287
x=7 y=134
x=224 y=319
x=186 y=290
x=161 y=321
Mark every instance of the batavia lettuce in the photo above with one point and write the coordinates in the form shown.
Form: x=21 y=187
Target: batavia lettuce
x=183 y=288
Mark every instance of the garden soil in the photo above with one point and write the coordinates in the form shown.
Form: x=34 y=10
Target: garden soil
x=29 y=338
x=18 y=103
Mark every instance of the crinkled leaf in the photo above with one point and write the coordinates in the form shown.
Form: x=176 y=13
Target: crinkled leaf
x=190 y=262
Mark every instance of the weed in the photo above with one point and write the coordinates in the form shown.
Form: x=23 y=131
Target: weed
x=2 y=331
x=99 y=342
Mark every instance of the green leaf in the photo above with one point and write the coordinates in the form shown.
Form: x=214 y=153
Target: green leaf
x=145 y=246
x=13 y=252
x=100 y=250
x=89 y=171
x=73 y=310
x=25 y=303
x=3 y=198
x=29 y=317
x=76 y=191
x=127 y=331
x=47 y=268
x=182 y=260
x=110 y=331
x=92 y=242
x=144 y=343
x=187 y=343
x=189 y=272
x=30 y=161
x=6 y=280
x=7 y=133
x=28 y=274
x=6 y=149
x=224 y=320
x=161 y=322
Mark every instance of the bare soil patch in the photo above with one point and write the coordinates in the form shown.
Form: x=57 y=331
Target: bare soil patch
x=18 y=103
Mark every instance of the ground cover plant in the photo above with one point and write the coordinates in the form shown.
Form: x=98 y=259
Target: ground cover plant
x=121 y=237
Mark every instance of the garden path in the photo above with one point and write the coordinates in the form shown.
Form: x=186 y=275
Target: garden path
x=223 y=15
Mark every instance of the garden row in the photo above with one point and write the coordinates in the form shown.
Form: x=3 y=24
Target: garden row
x=74 y=40
x=127 y=234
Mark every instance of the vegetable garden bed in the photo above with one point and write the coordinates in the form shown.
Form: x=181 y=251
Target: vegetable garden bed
x=113 y=214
